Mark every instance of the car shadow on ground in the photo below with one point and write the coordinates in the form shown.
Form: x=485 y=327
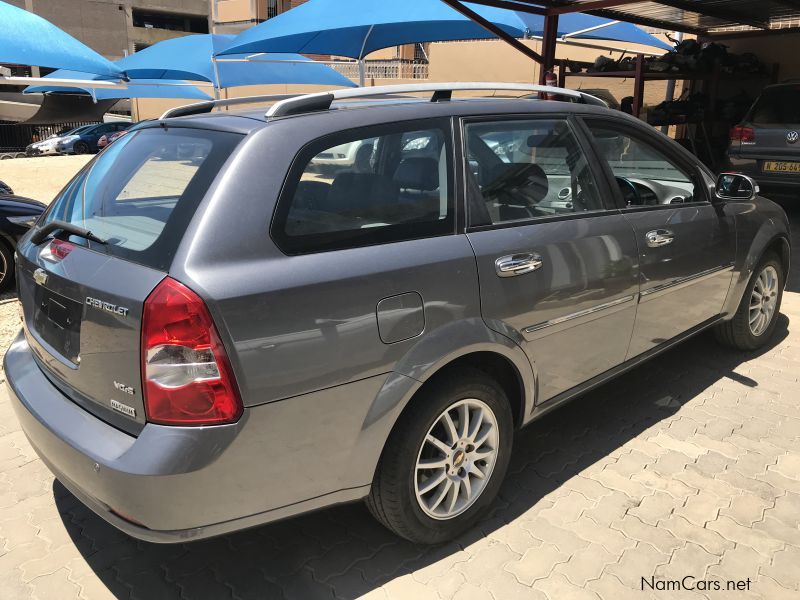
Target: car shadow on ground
x=342 y=552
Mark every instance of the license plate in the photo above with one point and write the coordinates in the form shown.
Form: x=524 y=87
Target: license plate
x=781 y=167
x=58 y=321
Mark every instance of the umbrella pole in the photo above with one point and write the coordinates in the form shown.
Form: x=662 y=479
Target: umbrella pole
x=216 y=77
x=362 y=67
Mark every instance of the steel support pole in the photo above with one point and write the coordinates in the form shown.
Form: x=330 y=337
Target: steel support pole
x=489 y=26
x=549 y=39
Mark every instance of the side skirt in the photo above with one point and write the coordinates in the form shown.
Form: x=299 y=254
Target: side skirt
x=598 y=380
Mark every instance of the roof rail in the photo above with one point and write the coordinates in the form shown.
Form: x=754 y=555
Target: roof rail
x=441 y=91
x=199 y=108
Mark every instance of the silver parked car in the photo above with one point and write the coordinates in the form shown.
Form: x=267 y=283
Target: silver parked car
x=218 y=333
x=766 y=144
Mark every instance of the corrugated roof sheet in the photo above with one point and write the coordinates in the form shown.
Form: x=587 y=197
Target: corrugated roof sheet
x=693 y=15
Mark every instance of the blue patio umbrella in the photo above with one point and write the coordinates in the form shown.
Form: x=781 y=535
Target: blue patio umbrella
x=190 y=58
x=28 y=39
x=589 y=27
x=355 y=28
x=142 y=88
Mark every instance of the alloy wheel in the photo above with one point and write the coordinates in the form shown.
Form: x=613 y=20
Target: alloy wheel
x=3 y=268
x=456 y=459
x=763 y=300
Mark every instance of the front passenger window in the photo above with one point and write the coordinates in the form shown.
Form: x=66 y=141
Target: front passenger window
x=644 y=174
x=524 y=170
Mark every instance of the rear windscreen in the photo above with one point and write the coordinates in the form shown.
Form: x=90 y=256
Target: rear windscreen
x=140 y=194
x=778 y=106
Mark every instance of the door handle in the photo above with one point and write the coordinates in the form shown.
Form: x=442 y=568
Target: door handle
x=659 y=237
x=517 y=264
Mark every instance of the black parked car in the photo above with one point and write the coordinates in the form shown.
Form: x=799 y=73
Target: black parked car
x=17 y=214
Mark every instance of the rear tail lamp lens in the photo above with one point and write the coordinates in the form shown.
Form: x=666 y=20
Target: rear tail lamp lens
x=56 y=251
x=187 y=375
x=744 y=135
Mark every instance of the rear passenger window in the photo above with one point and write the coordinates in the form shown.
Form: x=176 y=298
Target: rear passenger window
x=522 y=170
x=351 y=190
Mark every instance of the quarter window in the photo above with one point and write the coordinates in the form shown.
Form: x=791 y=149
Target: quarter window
x=356 y=190
x=645 y=175
x=521 y=170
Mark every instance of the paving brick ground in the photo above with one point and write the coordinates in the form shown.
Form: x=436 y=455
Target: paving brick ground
x=688 y=466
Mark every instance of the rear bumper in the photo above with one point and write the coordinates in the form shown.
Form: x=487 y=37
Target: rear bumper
x=177 y=483
x=773 y=185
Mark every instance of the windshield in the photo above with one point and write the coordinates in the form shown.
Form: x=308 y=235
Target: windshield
x=77 y=130
x=141 y=193
x=777 y=106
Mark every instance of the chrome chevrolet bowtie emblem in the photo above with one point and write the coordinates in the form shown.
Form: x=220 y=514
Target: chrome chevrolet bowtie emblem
x=792 y=136
x=40 y=276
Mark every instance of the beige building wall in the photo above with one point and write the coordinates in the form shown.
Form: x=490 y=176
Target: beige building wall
x=774 y=48
x=494 y=60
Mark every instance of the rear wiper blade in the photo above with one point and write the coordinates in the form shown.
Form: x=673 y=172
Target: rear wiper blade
x=40 y=234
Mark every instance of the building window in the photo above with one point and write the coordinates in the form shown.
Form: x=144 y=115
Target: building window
x=169 y=21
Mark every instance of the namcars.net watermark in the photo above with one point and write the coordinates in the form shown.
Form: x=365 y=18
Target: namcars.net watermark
x=690 y=583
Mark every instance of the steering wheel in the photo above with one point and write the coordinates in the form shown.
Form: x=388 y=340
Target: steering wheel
x=629 y=192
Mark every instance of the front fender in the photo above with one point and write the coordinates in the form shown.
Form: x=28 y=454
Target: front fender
x=749 y=253
x=426 y=358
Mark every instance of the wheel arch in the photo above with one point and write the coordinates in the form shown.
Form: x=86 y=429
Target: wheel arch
x=470 y=344
x=769 y=237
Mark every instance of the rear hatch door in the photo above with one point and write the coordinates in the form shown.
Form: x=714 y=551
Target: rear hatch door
x=82 y=299
x=83 y=323
x=775 y=122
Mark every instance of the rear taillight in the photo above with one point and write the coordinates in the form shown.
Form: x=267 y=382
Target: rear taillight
x=742 y=134
x=56 y=251
x=187 y=378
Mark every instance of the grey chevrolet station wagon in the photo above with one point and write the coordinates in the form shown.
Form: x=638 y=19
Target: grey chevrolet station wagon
x=233 y=317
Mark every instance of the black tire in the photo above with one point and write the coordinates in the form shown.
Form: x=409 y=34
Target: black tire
x=393 y=501
x=736 y=333
x=81 y=148
x=6 y=268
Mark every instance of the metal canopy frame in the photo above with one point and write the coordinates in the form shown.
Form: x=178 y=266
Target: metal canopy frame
x=726 y=14
x=760 y=17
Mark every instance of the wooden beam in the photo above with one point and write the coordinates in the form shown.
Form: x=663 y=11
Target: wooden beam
x=491 y=27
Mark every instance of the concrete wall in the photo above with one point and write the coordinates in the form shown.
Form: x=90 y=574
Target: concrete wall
x=774 y=48
x=494 y=60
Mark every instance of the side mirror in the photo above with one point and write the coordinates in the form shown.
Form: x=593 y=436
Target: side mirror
x=735 y=186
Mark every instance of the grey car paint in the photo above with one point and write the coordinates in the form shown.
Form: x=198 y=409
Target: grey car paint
x=773 y=142
x=321 y=386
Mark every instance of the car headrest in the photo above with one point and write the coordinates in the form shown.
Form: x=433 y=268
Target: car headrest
x=418 y=173
x=529 y=177
x=357 y=191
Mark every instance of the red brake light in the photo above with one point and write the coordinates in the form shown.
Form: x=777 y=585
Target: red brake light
x=187 y=378
x=57 y=250
x=742 y=134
